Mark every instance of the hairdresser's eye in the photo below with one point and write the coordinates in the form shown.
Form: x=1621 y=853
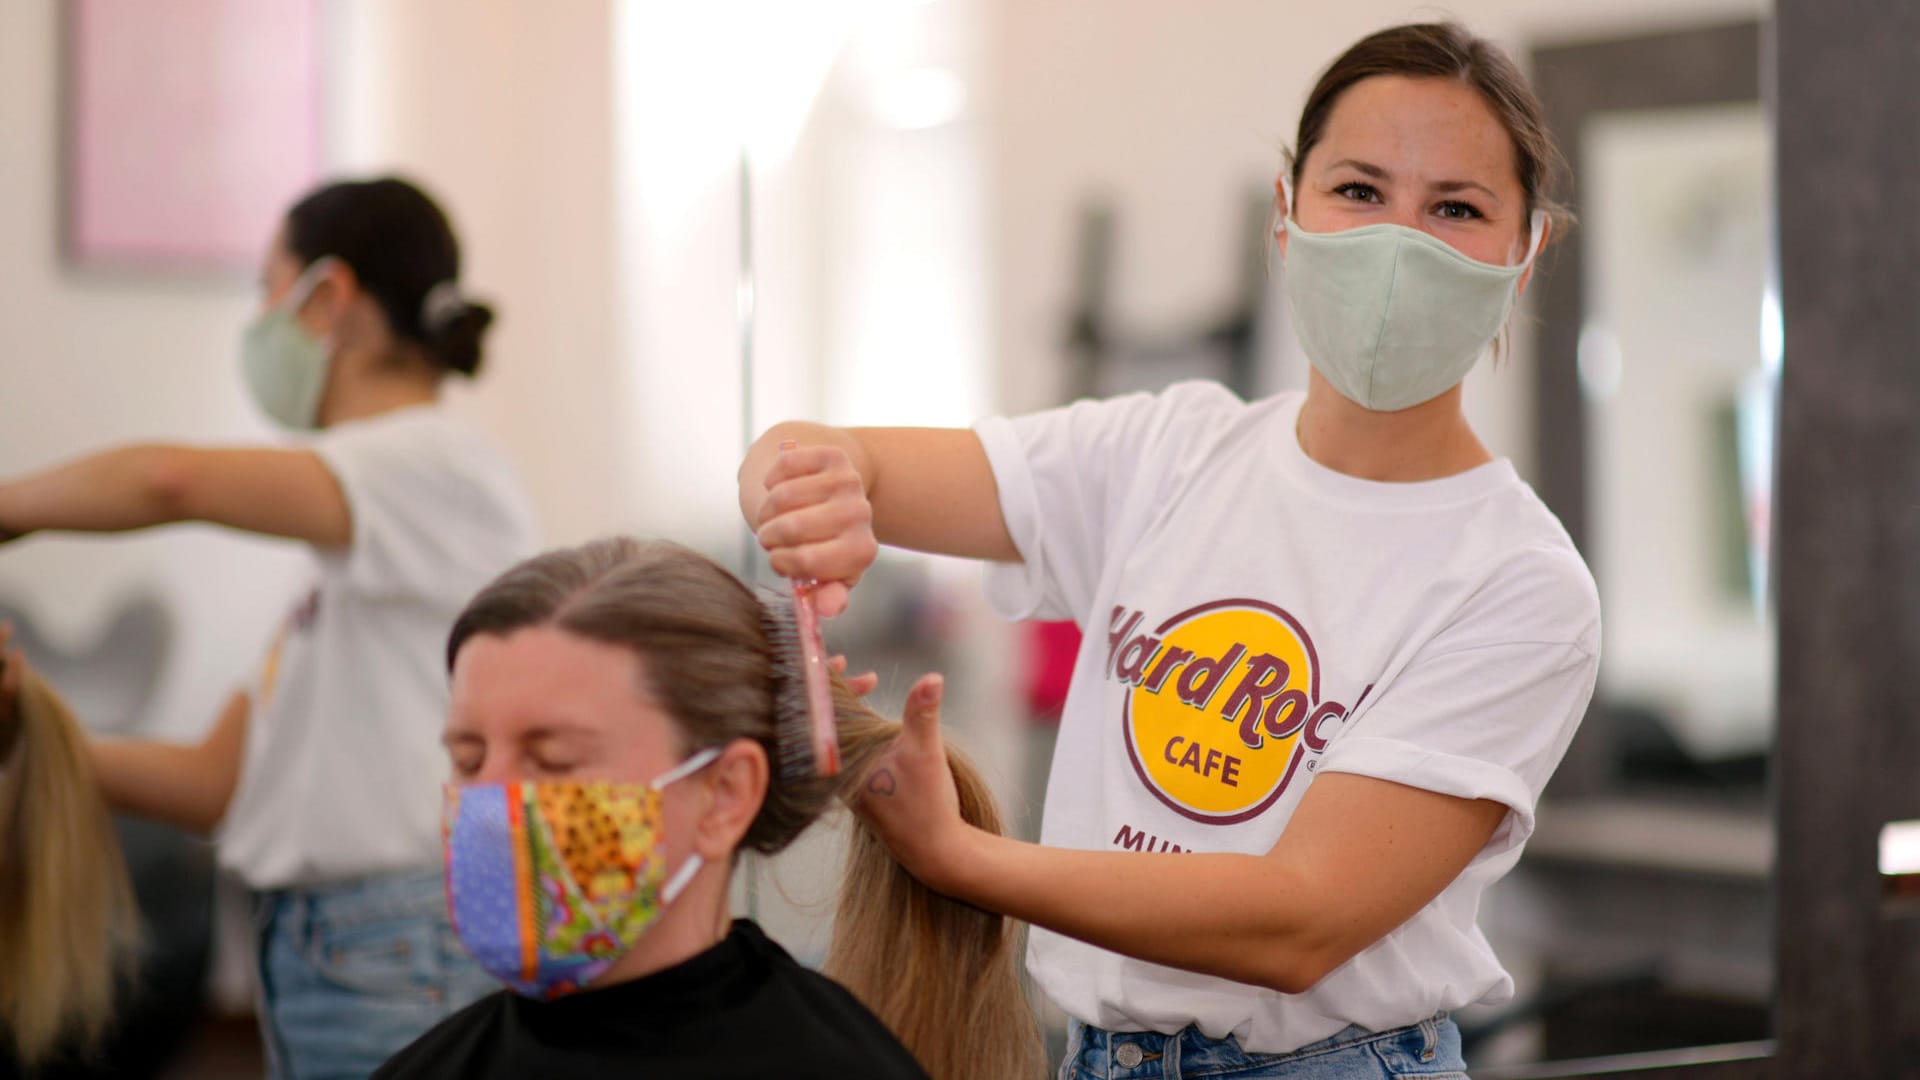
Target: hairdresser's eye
x=1458 y=211
x=1358 y=192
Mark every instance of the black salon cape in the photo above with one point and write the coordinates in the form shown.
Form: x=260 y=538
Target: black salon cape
x=742 y=1009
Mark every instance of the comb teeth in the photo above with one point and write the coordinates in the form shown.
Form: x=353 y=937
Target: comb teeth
x=801 y=688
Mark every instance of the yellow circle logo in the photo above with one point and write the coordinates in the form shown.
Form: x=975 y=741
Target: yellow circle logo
x=1222 y=707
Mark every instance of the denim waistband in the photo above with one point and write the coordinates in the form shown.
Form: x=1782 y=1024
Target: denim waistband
x=1098 y=1054
x=363 y=900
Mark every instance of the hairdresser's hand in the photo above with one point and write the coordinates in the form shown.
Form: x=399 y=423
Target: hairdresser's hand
x=909 y=799
x=816 y=522
x=862 y=684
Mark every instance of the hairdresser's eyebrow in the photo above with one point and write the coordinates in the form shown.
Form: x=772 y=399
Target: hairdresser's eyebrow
x=1438 y=187
x=1362 y=167
x=1449 y=187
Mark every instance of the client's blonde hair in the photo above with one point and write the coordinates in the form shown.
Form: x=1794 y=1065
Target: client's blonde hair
x=940 y=973
x=69 y=929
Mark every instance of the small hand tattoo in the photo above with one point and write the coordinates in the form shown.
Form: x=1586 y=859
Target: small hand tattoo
x=882 y=783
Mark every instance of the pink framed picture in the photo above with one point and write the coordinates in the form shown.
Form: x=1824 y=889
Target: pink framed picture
x=189 y=126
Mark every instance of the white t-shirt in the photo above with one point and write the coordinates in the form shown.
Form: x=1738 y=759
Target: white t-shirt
x=1254 y=619
x=343 y=761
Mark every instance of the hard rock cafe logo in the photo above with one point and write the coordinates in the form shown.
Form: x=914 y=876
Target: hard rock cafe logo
x=1221 y=706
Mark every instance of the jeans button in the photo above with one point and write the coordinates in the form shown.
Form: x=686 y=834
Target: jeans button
x=1128 y=1055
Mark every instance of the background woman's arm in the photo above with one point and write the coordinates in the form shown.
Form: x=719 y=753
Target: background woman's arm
x=187 y=785
x=278 y=492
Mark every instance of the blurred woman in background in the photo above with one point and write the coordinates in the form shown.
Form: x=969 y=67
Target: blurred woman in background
x=315 y=779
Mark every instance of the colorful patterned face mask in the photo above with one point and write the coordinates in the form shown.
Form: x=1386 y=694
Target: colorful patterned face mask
x=550 y=882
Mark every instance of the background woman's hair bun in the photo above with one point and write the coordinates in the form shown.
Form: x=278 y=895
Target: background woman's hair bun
x=456 y=339
x=402 y=248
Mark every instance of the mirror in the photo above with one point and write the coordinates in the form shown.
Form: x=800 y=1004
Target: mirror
x=1641 y=917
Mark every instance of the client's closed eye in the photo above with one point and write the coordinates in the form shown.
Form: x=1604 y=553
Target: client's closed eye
x=466 y=756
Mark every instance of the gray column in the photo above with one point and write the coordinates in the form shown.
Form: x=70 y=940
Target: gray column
x=1848 y=553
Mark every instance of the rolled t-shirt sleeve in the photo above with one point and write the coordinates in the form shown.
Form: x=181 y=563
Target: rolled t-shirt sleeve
x=435 y=509
x=1488 y=722
x=1066 y=477
x=1486 y=710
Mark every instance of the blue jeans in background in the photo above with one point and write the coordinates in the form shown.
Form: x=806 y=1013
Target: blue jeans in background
x=351 y=973
x=1429 y=1049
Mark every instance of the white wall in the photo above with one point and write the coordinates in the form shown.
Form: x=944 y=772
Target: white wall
x=505 y=111
x=92 y=359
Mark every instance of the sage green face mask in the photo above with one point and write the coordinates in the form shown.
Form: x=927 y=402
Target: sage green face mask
x=1393 y=316
x=285 y=365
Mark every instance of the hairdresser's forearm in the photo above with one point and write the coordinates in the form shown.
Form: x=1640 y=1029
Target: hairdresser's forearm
x=1243 y=917
x=114 y=491
x=186 y=785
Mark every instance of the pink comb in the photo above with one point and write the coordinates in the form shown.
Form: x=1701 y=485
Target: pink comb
x=813 y=663
x=813 y=670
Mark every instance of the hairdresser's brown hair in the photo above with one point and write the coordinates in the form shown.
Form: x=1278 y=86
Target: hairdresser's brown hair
x=69 y=929
x=1446 y=50
x=941 y=974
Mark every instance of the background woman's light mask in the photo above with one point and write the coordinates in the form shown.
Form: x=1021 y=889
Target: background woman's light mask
x=283 y=363
x=1393 y=316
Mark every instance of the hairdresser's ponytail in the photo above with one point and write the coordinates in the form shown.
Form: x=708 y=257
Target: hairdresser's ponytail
x=942 y=974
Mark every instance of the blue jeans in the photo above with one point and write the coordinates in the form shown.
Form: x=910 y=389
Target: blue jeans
x=1429 y=1049
x=351 y=973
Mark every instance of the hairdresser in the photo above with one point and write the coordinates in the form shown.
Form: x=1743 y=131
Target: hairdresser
x=316 y=779
x=1334 y=645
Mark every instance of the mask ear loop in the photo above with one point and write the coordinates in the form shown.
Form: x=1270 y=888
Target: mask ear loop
x=1536 y=235
x=684 y=876
x=309 y=281
x=681 y=878
x=693 y=764
x=1286 y=202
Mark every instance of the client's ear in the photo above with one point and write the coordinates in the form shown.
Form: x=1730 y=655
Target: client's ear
x=737 y=785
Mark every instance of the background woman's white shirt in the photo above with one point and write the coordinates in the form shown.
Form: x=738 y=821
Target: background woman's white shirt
x=1253 y=619
x=343 y=763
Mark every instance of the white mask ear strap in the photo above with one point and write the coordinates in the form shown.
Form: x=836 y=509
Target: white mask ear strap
x=1286 y=200
x=686 y=768
x=309 y=280
x=1537 y=234
x=684 y=875
x=681 y=878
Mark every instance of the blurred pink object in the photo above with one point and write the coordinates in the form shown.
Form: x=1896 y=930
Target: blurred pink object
x=191 y=125
x=1048 y=656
